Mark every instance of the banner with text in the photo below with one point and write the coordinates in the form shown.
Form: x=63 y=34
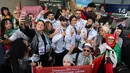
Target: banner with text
x=68 y=69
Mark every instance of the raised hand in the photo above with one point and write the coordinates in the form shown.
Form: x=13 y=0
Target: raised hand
x=39 y=65
x=50 y=58
x=71 y=49
x=5 y=36
x=79 y=31
x=71 y=32
x=22 y=19
x=59 y=6
x=63 y=33
x=44 y=11
x=57 y=30
x=1 y=40
x=85 y=36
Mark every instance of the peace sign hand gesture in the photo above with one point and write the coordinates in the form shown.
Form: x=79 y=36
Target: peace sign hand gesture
x=85 y=36
x=79 y=31
x=71 y=32
x=39 y=65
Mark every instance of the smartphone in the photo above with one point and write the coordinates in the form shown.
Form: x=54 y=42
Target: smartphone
x=22 y=18
x=27 y=20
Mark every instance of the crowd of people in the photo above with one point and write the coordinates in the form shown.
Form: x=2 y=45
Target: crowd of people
x=85 y=37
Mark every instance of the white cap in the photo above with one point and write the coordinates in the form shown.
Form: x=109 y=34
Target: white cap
x=88 y=44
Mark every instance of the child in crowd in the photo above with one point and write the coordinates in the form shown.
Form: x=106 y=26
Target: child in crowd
x=68 y=61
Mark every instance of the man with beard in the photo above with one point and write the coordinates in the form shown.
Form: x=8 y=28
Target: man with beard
x=88 y=33
x=80 y=22
x=50 y=18
x=91 y=33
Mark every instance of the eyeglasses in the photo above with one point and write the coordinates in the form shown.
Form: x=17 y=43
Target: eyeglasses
x=16 y=13
x=86 y=50
x=8 y=23
x=110 y=39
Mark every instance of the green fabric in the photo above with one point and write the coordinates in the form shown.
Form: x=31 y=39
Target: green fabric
x=47 y=32
x=117 y=50
x=101 y=54
x=37 y=20
x=86 y=61
x=48 y=41
x=10 y=32
x=17 y=22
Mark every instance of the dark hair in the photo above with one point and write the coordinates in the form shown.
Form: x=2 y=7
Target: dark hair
x=41 y=21
x=47 y=24
x=68 y=9
x=109 y=19
x=77 y=10
x=18 y=50
x=92 y=18
x=71 y=17
x=50 y=13
x=63 y=9
x=3 y=25
x=2 y=11
x=92 y=5
x=62 y=18
x=76 y=50
x=121 y=28
x=30 y=14
x=102 y=5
